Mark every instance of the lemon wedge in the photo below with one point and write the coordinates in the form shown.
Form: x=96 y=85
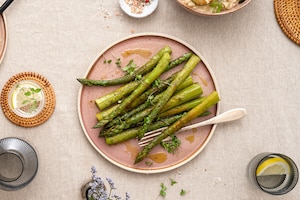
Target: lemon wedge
x=273 y=166
x=19 y=98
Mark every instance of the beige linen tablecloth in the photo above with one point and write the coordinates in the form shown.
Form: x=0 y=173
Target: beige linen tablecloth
x=257 y=67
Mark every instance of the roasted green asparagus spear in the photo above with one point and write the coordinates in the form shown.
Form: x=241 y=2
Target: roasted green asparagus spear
x=129 y=77
x=114 y=96
x=187 y=94
x=182 y=108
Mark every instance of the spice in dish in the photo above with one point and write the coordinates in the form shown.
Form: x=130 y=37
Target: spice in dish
x=137 y=6
x=211 y=6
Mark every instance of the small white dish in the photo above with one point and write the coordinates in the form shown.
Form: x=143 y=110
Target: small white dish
x=146 y=11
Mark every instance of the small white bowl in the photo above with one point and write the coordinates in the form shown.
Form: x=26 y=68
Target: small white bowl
x=148 y=10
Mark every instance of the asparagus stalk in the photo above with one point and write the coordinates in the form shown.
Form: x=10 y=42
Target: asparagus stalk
x=114 y=96
x=182 y=108
x=209 y=101
x=187 y=82
x=181 y=76
x=191 y=92
x=128 y=77
x=133 y=132
x=147 y=81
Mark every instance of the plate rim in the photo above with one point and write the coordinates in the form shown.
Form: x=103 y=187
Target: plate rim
x=171 y=167
x=6 y=38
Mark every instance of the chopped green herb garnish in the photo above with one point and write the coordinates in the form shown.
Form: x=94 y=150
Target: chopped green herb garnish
x=172 y=145
x=216 y=5
x=149 y=163
x=163 y=190
x=150 y=98
x=130 y=67
x=182 y=192
x=157 y=82
x=138 y=77
x=118 y=62
x=107 y=61
x=173 y=182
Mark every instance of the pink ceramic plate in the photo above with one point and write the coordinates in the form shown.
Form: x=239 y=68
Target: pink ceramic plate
x=3 y=37
x=123 y=154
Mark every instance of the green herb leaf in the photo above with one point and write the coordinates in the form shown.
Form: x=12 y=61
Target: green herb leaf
x=118 y=62
x=130 y=67
x=150 y=98
x=216 y=5
x=171 y=146
x=163 y=190
x=182 y=192
x=173 y=182
x=37 y=90
x=138 y=77
x=28 y=93
x=148 y=163
x=25 y=101
x=157 y=82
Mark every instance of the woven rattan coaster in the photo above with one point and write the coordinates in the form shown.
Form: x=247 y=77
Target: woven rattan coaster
x=288 y=16
x=28 y=99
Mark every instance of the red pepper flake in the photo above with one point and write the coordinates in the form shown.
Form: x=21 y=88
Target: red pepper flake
x=137 y=6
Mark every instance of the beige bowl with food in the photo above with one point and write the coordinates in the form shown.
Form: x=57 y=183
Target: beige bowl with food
x=213 y=7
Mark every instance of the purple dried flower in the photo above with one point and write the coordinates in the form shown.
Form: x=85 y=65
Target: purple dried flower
x=111 y=183
x=127 y=196
x=98 y=190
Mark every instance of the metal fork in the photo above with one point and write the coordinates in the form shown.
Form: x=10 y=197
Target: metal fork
x=227 y=116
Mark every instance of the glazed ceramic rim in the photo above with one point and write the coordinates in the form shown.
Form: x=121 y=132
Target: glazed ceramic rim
x=171 y=167
x=5 y=41
x=236 y=8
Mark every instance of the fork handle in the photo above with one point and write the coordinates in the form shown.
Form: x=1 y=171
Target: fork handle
x=227 y=116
